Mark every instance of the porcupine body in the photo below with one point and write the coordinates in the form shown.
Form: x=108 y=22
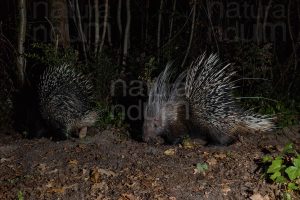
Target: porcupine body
x=65 y=101
x=199 y=102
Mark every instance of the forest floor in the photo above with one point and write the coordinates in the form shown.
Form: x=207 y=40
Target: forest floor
x=104 y=165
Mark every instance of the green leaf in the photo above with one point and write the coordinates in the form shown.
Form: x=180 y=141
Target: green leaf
x=293 y=186
x=275 y=166
x=20 y=195
x=267 y=159
x=293 y=172
x=202 y=167
x=280 y=179
x=288 y=148
x=275 y=175
x=287 y=196
x=296 y=162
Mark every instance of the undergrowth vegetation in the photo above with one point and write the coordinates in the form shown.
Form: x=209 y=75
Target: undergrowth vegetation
x=284 y=169
x=261 y=84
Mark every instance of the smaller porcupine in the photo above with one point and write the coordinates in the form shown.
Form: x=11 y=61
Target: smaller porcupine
x=200 y=102
x=65 y=101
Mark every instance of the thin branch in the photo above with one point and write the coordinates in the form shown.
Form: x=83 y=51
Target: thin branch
x=82 y=36
x=109 y=34
x=21 y=62
x=127 y=32
x=89 y=22
x=179 y=31
x=147 y=19
x=97 y=28
x=191 y=35
x=109 y=28
x=159 y=29
x=266 y=17
x=172 y=20
x=258 y=25
x=211 y=24
x=119 y=20
x=294 y=54
x=104 y=26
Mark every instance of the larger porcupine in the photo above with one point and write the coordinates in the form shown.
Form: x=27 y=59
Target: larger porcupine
x=199 y=102
x=65 y=101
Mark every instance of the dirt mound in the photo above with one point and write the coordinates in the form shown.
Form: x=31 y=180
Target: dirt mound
x=105 y=166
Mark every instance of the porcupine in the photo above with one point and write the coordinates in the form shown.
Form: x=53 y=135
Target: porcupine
x=65 y=101
x=199 y=102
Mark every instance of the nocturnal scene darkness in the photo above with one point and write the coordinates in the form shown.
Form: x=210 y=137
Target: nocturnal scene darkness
x=149 y=99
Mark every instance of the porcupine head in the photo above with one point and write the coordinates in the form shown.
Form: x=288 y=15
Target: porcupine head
x=167 y=111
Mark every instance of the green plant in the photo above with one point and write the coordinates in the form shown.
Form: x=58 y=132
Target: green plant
x=20 y=195
x=105 y=71
x=110 y=115
x=49 y=55
x=286 y=111
x=284 y=169
x=150 y=66
x=201 y=167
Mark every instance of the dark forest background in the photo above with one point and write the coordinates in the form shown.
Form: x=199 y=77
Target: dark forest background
x=134 y=39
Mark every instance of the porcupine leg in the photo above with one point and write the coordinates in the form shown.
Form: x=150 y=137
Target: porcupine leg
x=212 y=135
x=217 y=137
x=82 y=132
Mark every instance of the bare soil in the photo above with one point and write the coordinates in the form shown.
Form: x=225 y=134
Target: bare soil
x=104 y=165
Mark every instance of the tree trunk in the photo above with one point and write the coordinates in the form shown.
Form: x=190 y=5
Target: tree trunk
x=147 y=20
x=21 y=62
x=172 y=20
x=258 y=23
x=294 y=46
x=59 y=19
x=97 y=28
x=119 y=19
x=81 y=34
x=159 y=29
x=120 y=28
x=127 y=32
x=109 y=29
x=104 y=26
x=90 y=22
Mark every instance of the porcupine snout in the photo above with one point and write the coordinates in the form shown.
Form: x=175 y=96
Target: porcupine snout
x=153 y=129
x=169 y=125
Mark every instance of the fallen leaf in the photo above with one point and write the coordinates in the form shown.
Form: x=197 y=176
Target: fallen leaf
x=170 y=152
x=259 y=197
x=50 y=184
x=220 y=155
x=42 y=167
x=56 y=190
x=188 y=144
x=226 y=189
x=127 y=197
x=95 y=175
x=107 y=172
x=211 y=161
x=99 y=187
x=2 y=160
x=73 y=162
